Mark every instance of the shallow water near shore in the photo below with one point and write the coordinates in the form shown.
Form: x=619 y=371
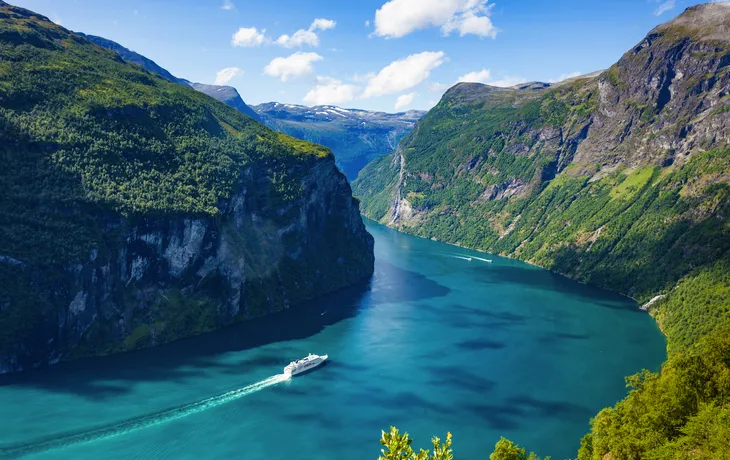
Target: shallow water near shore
x=438 y=340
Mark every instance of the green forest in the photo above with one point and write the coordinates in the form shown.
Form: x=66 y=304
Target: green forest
x=88 y=138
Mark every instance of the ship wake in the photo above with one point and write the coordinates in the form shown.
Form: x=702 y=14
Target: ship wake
x=138 y=423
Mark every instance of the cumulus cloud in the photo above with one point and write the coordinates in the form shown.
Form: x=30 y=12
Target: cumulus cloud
x=479 y=76
x=322 y=24
x=228 y=5
x=404 y=73
x=306 y=37
x=289 y=68
x=248 y=37
x=330 y=91
x=664 y=7
x=397 y=18
x=404 y=100
x=225 y=75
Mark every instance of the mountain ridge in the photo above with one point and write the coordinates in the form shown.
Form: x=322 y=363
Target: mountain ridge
x=226 y=94
x=137 y=211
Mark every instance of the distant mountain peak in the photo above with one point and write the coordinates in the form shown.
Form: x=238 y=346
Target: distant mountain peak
x=355 y=136
x=705 y=22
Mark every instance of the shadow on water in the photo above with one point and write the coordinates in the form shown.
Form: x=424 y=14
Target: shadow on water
x=509 y=414
x=527 y=275
x=105 y=377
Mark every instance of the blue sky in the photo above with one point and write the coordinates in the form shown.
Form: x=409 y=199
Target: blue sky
x=369 y=54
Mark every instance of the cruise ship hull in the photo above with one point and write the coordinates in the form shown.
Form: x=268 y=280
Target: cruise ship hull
x=292 y=370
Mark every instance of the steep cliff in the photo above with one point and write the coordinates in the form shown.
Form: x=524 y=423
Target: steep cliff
x=136 y=211
x=620 y=179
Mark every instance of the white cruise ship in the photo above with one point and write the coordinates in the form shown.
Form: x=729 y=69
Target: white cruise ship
x=304 y=364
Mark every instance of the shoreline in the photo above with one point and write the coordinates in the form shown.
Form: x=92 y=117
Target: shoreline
x=639 y=306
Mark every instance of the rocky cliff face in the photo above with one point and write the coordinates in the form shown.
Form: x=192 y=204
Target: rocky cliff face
x=152 y=280
x=618 y=178
x=141 y=211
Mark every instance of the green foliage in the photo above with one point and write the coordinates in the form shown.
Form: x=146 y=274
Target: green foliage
x=683 y=412
x=507 y=450
x=698 y=305
x=397 y=446
x=91 y=145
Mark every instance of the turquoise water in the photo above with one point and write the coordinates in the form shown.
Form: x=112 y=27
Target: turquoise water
x=433 y=343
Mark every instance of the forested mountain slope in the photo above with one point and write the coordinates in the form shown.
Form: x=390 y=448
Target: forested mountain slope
x=136 y=211
x=355 y=136
x=621 y=180
x=226 y=94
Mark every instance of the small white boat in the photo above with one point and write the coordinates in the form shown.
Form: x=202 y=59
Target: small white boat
x=304 y=364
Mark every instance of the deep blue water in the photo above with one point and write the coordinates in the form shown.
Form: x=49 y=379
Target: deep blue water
x=432 y=343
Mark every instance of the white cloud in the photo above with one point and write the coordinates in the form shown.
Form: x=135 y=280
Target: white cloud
x=322 y=24
x=228 y=5
x=331 y=91
x=404 y=100
x=404 y=73
x=564 y=76
x=398 y=18
x=299 y=38
x=248 y=37
x=306 y=37
x=289 y=68
x=480 y=76
x=664 y=7
x=367 y=23
x=225 y=75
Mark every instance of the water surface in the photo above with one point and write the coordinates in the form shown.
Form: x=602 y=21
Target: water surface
x=432 y=343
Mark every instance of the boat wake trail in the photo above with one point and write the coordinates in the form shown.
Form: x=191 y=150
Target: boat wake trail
x=138 y=423
x=456 y=256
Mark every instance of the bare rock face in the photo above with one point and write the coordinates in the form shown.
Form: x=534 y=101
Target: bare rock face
x=665 y=98
x=153 y=280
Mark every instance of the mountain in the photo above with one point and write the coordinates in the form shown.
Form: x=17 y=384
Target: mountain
x=355 y=136
x=621 y=180
x=226 y=94
x=136 y=211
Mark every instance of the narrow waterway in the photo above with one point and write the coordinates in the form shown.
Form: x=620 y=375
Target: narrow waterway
x=440 y=339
